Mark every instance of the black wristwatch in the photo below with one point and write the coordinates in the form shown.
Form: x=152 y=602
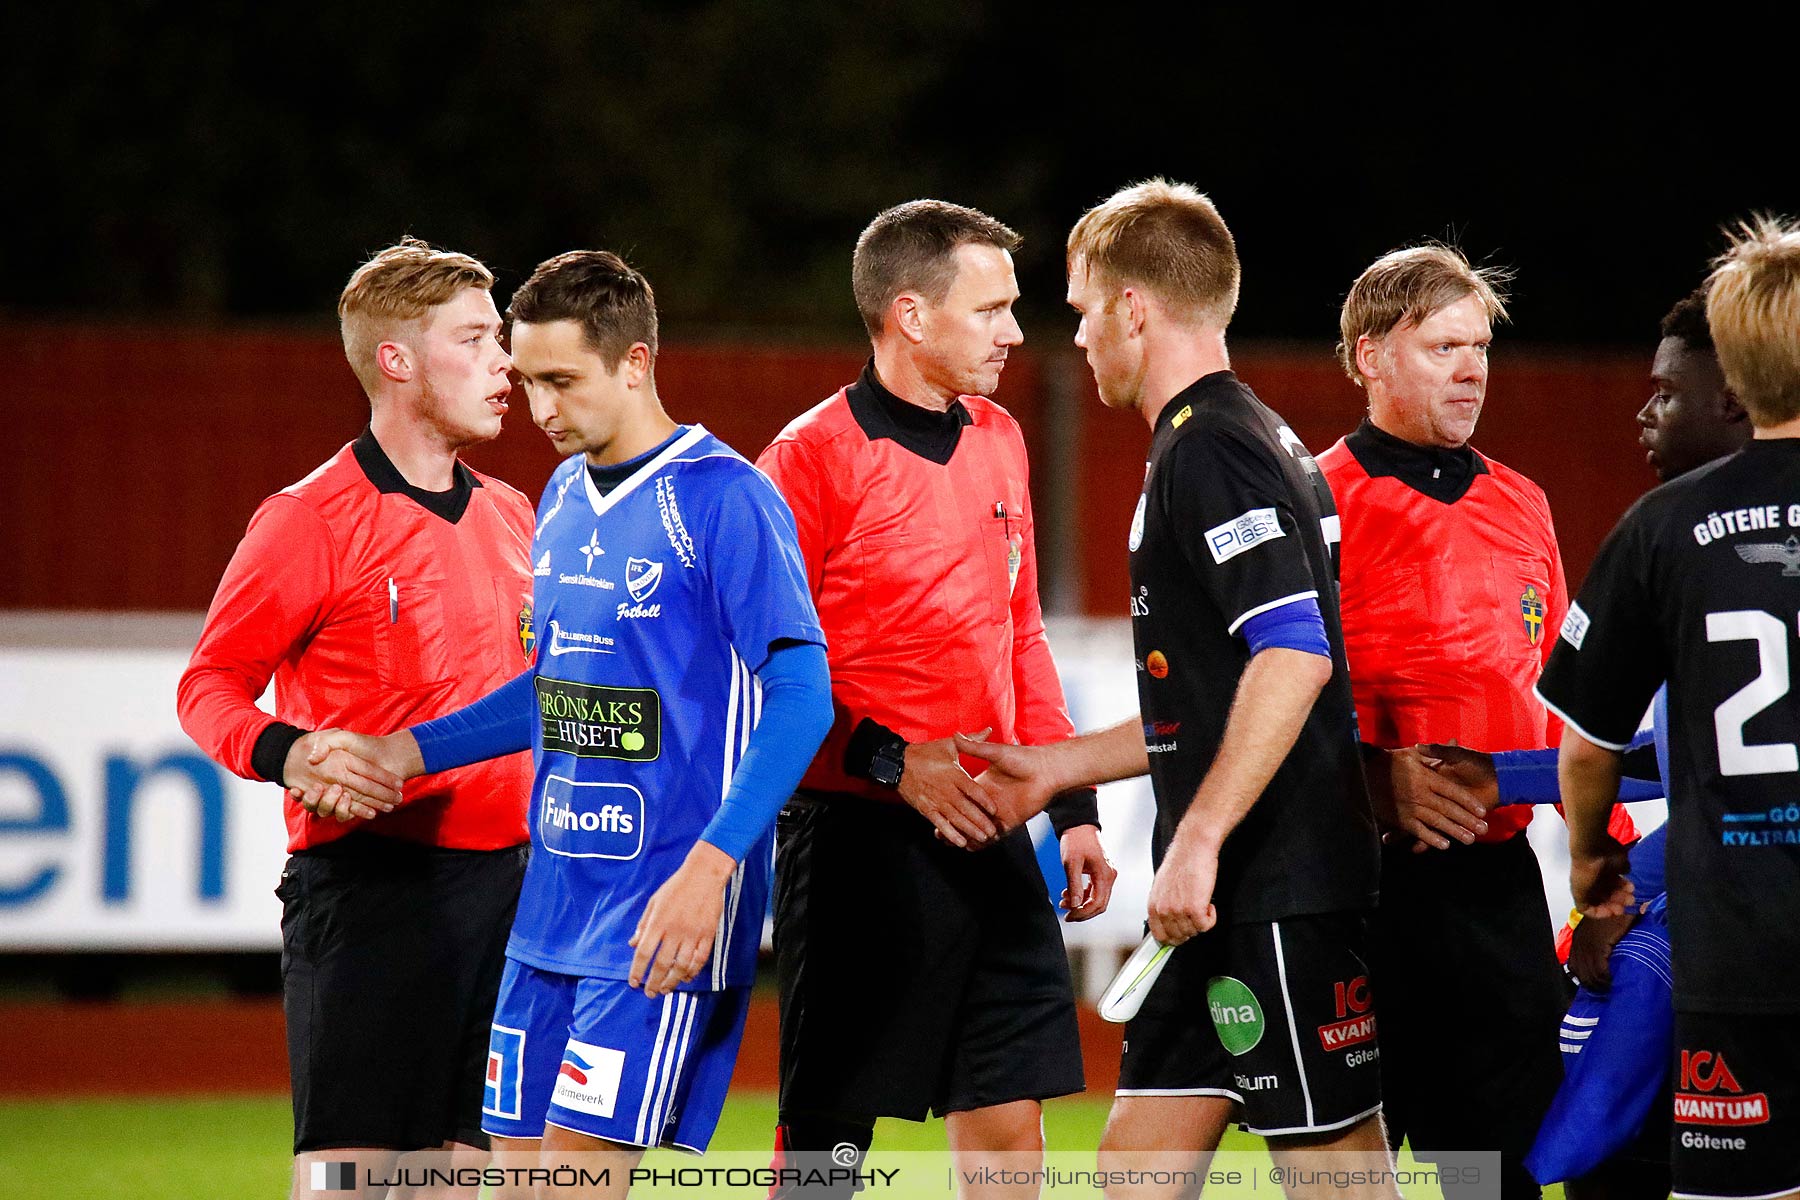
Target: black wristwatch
x=888 y=764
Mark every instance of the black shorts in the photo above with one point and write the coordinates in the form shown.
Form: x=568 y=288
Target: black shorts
x=1737 y=1106
x=1277 y=1016
x=915 y=977
x=1472 y=1001
x=391 y=954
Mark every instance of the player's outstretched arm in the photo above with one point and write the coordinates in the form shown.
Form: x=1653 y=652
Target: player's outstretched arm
x=498 y=723
x=1273 y=699
x=1598 y=864
x=1021 y=780
x=1529 y=776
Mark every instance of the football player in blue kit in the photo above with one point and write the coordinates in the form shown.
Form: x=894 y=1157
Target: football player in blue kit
x=679 y=691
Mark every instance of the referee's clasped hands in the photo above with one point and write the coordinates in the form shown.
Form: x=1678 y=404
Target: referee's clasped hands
x=345 y=776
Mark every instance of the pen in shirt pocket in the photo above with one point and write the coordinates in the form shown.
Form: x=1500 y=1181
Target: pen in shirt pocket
x=393 y=603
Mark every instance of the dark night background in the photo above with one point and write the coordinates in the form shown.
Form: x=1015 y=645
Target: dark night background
x=204 y=165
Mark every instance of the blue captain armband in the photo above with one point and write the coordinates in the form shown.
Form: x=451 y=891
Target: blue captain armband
x=1296 y=625
x=796 y=716
x=497 y=724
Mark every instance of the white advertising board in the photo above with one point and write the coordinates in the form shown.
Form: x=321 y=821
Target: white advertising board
x=115 y=831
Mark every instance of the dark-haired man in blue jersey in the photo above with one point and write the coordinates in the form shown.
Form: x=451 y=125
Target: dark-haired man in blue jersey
x=680 y=690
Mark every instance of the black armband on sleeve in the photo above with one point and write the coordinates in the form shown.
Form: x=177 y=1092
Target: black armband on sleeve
x=868 y=737
x=268 y=758
x=1073 y=808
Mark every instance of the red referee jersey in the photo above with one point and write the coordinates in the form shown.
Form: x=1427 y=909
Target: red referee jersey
x=1450 y=602
x=925 y=577
x=372 y=613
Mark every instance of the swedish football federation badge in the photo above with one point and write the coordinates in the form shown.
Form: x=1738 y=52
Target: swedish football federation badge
x=1531 y=607
x=527 y=635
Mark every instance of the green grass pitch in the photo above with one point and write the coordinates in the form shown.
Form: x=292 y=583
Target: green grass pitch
x=233 y=1148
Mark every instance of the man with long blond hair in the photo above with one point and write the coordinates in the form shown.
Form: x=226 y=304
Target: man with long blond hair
x=1699 y=584
x=391 y=585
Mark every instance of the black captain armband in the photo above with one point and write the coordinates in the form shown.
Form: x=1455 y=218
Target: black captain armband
x=268 y=758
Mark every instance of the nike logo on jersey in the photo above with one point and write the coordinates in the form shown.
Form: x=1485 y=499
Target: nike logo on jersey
x=565 y=642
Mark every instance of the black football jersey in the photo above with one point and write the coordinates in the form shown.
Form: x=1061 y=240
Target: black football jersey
x=1236 y=520
x=1700 y=585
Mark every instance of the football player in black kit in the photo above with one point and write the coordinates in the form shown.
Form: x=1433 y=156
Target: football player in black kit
x=1700 y=584
x=1265 y=843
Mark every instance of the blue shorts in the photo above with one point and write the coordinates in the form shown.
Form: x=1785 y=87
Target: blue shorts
x=599 y=1057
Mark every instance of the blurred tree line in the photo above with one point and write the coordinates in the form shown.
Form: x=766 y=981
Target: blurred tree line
x=212 y=161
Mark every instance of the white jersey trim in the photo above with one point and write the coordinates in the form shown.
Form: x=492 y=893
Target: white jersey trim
x=671 y=1082
x=1287 y=1005
x=1343 y=1124
x=1222 y=1093
x=656 y=1053
x=1272 y=605
x=602 y=504
x=1566 y=719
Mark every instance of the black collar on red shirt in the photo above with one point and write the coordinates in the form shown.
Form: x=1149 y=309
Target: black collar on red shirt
x=930 y=435
x=1444 y=475
x=386 y=477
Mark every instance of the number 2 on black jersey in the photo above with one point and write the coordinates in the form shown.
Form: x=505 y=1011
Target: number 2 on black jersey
x=1771 y=684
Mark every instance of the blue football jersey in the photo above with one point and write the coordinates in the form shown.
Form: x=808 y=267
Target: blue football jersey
x=653 y=606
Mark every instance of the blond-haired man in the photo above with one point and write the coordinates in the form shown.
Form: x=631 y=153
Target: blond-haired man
x=1265 y=843
x=1698 y=585
x=391 y=585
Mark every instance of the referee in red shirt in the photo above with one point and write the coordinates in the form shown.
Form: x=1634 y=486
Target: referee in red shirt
x=1452 y=590
x=391 y=585
x=917 y=977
